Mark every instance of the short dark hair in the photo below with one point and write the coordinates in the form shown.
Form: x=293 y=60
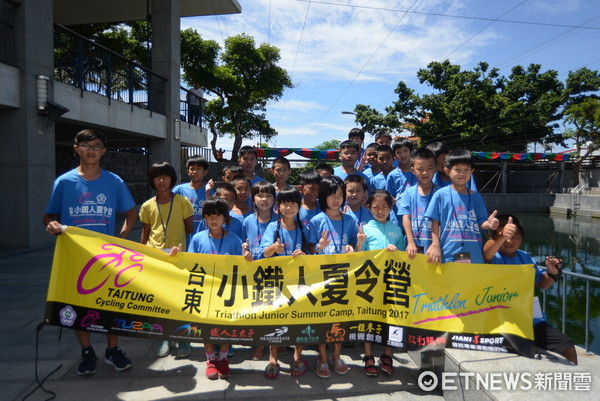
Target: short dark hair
x=236 y=168
x=359 y=179
x=329 y=186
x=324 y=166
x=382 y=133
x=248 y=149
x=459 y=156
x=242 y=178
x=356 y=132
x=372 y=145
x=422 y=154
x=349 y=144
x=88 y=135
x=263 y=187
x=218 y=206
x=385 y=148
x=381 y=193
x=402 y=142
x=438 y=148
x=503 y=220
x=281 y=160
x=225 y=186
x=309 y=177
x=161 y=168
x=197 y=161
x=289 y=194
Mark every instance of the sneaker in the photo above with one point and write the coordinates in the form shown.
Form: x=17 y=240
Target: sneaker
x=116 y=357
x=88 y=362
x=230 y=352
x=184 y=350
x=223 y=368
x=164 y=349
x=211 y=369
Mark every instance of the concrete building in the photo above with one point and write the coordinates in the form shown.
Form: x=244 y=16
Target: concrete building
x=37 y=89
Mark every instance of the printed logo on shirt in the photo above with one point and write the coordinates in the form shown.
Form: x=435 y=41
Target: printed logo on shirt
x=101 y=199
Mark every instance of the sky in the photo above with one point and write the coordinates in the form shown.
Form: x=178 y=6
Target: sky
x=340 y=53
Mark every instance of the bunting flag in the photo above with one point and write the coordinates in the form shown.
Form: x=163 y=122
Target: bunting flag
x=557 y=157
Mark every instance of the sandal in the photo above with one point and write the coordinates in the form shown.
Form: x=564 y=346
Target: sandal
x=370 y=370
x=339 y=366
x=258 y=353
x=323 y=371
x=272 y=371
x=385 y=364
x=299 y=368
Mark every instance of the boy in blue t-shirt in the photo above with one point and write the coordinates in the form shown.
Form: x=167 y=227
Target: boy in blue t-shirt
x=401 y=178
x=458 y=215
x=503 y=248
x=248 y=159
x=440 y=179
x=197 y=168
x=309 y=189
x=385 y=158
x=415 y=203
x=349 y=152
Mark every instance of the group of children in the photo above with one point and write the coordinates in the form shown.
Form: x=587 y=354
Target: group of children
x=389 y=196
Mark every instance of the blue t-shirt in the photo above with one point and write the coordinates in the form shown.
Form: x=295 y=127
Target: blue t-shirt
x=254 y=232
x=379 y=181
x=361 y=216
x=380 y=235
x=197 y=197
x=255 y=180
x=240 y=217
x=92 y=205
x=521 y=258
x=307 y=215
x=460 y=217
x=437 y=180
x=397 y=183
x=202 y=242
x=341 y=232
x=415 y=205
x=340 y=173
x=291 y=240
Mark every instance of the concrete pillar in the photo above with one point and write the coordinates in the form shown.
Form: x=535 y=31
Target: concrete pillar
x=27 y=151
x=166 y=50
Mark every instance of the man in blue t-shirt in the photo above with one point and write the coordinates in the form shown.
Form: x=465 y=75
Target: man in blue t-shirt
x=90 y=197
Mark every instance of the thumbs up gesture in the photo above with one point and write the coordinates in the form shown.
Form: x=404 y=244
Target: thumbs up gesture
x=510 y=229
x=493 y=221
x=279 y=247
x=361 y=236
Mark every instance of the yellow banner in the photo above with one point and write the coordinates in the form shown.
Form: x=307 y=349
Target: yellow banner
x=106 y=284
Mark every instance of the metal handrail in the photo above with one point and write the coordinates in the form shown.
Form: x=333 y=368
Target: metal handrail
x=587 y=279
x=185 y=110
x=87 y=65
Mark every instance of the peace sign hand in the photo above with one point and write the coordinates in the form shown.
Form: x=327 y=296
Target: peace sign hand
x=324 y=241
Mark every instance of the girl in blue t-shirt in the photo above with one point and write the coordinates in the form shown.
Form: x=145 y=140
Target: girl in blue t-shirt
x=379 y=233
x=331 y=231
x=254 y=226
x=216 y=240
x=287 y=236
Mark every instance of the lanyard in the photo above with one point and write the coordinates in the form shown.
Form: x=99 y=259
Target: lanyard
x=462 y=234
x=420 y=224
x=165 y=226
x=331 y=225
x=295 y=239
x=212 y=247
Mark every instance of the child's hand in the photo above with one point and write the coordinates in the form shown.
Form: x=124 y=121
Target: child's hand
x=411 y=250
x=493 y=222
x=175 y=250
x=349 y=249
x=247 y=255
x=279 y=247
x=210 y=185
x=553 y=265
x=509 y=229
x=361 y=236
x=246 y=246
x=324 y=241
x=434 y=254
x=297 y=252
x=391 y=248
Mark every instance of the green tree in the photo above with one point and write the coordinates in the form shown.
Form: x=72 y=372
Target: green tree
x=583 y=119
x=242 y=77
x=480 y=109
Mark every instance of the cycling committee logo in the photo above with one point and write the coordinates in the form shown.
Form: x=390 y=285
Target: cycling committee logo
x=67 y=316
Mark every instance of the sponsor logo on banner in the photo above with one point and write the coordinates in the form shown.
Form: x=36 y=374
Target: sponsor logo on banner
x=308 y=337
x=395 y=336
x=67 y=316
x=335 y=334
x=137 y=326
x=277 y=336
x=477 y=342
x=188 y=330
x=232 y=334
x=91 y=320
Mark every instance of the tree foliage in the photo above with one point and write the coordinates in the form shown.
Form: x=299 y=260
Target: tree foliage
x=243 y=77
x=480 y=109
x=583 y=119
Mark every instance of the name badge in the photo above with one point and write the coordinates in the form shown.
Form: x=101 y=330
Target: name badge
x=462 y=257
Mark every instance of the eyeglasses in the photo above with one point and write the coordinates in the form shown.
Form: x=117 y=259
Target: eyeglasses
x=86 y=146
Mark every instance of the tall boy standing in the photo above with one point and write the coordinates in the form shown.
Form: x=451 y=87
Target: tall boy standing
x=195 y=191
x=90 y=197
x=458 y=215
x=349 y=151
x=281 y=172
x=309 y=188
x=248 y=159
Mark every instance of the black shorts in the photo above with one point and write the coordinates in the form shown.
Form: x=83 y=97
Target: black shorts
x=551 y=339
